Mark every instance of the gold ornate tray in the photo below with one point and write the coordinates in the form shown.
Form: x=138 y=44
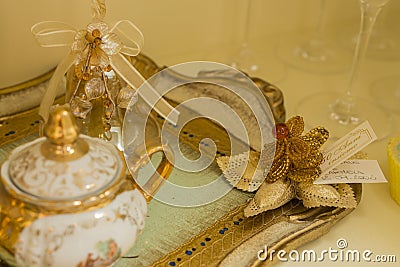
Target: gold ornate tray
x=212 y=235
x=234 y=240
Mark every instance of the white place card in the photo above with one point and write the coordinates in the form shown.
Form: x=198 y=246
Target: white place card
x=353 y=171
x=347 y=146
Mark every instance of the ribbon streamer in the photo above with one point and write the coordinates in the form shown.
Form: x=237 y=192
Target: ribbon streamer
x=98 y=9
x=130 y=40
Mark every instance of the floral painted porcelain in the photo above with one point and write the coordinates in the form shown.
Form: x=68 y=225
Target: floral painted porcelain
x=66 y=199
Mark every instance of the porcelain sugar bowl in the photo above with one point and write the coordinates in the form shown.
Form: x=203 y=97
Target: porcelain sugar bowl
x=66 y=199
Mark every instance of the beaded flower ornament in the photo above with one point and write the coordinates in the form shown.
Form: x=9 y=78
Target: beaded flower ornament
x=294 y=167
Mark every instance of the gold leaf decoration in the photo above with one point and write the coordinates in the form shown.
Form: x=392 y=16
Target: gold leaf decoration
x=312 y=194
x=270 y=196
x=316 y=195
x=241 y=171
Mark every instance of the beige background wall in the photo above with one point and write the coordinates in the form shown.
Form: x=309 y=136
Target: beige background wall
x=185 y=28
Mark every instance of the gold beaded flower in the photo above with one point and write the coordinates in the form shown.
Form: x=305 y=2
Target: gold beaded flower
x=294 y=167
x=296 y=156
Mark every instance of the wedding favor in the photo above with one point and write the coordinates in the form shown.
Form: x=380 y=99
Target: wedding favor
x=100 y=77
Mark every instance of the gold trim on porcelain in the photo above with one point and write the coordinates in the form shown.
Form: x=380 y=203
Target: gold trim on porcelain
x=91 y=201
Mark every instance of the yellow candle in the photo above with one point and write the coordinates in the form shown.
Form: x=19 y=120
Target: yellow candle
x=393 y=152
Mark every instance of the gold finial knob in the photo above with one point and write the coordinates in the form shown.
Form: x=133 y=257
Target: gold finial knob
x=63 y=143
x=61 y=128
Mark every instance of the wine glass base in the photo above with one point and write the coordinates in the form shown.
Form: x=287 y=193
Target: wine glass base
x=264 y=65
x=386 y=93
x=384 y=49
x=245 y=61
x=313 y=55
x=383 y=46
x=335 y=114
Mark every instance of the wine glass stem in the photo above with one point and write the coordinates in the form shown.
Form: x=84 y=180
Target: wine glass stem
x=380 y=25
x=319 y=27
x=246 y=24
x=369 y=13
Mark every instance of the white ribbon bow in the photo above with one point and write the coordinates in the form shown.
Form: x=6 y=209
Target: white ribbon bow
x=123 y=39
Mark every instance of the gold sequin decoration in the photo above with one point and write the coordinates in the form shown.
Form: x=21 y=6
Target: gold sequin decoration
x=304 y=175
x=296 y=155
x=295 y=125
x=279 y=169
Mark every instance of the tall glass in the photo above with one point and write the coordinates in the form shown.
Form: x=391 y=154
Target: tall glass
x=244 y=58
x=313 y=51
x=343 y=111
x=254 y=57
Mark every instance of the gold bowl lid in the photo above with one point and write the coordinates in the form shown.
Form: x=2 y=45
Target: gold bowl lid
x=63 y=165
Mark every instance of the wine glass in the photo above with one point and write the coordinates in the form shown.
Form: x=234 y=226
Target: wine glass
x=255 y=62
x=343 y=111
x=313 y=52
x=244 y=58
x=386 y=92
x=383 y=44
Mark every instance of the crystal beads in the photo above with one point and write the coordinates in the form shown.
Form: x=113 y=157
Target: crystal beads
x=94 y=88
x=80 y=107
x=124 y=96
